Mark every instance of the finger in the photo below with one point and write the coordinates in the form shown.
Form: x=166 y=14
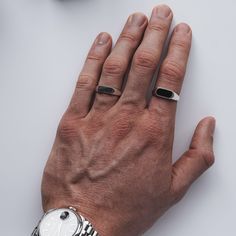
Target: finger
x=173 y=69
x=196 y=160
x=147 y=57
x=89 y=76
x=118 y=61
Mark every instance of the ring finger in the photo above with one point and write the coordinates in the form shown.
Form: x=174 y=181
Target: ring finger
x=147 y=57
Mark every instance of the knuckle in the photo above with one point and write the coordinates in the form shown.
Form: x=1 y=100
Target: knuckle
x=207 y=156
x=145 y=59
x=152 y=129
x=172 y=70
x=67 y=129
x=127 y=36
x=114 y=66
x=181 y=43
x=121 y=127
x=85 y=82
x=159 y=26
x=94 y=57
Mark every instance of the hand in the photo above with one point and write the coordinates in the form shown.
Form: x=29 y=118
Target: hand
x=112 y=157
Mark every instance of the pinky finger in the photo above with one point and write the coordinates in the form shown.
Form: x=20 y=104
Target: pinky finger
x=88 y=79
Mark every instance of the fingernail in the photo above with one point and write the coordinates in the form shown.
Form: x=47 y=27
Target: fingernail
x=213 y=125
x=103 y=38
x=137 y=19
x=161 y=11
x=183 y=28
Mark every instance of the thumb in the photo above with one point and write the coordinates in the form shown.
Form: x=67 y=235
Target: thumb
x=196 y=160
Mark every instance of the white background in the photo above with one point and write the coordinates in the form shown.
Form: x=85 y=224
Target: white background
x=43 y=44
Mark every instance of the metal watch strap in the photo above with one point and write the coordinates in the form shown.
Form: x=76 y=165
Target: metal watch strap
x=88 y=229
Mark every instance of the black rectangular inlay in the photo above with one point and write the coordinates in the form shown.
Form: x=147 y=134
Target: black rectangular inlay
x=164 y=93
x=104 y=89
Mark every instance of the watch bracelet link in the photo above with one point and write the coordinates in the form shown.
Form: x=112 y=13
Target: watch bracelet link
x=87 y=230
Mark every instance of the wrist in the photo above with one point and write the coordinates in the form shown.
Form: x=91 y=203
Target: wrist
x=104 y=227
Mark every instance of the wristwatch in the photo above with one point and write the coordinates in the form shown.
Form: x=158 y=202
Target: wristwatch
x=64 y=222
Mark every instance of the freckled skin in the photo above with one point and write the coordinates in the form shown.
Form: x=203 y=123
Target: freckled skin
x=112 y=156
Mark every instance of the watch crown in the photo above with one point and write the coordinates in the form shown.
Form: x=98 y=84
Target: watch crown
x=72 y=208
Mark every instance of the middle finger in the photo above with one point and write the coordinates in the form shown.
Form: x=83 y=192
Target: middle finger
x=147 y=57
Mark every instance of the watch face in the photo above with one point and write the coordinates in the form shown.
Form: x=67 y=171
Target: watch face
x=60 y=222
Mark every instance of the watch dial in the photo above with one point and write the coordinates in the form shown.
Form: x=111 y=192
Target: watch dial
x=60 y=222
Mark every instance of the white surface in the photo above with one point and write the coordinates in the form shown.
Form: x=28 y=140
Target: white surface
x=42 y=48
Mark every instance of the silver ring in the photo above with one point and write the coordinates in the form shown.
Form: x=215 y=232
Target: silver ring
x=165 y=93
x=102 y=89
